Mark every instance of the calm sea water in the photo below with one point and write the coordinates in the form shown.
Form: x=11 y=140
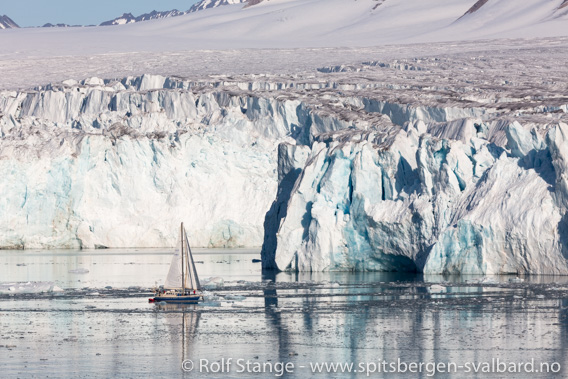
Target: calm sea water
x=270 y=325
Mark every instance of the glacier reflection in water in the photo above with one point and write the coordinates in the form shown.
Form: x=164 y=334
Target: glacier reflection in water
x=102 y=325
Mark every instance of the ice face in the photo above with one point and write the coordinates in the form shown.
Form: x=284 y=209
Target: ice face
x=103 y=163
x=458 y=207
x=391 y=168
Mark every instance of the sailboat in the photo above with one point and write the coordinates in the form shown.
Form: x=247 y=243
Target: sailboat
x=182 y=284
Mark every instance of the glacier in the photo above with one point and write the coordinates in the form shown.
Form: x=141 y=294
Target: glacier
x=477 y=189
x=117 y=163
x=452 y=163
x=415 y=202
x=94 y=165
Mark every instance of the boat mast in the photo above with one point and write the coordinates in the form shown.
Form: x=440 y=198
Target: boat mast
x=182 y=254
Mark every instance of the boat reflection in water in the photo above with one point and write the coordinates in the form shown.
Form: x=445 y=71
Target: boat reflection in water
x=182 y=320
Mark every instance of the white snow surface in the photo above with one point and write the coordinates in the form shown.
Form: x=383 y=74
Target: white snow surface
x=265 y=37
x=301 y=23
x=207 y=4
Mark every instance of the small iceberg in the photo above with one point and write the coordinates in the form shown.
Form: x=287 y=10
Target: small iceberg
x=235 y=297
x=57 y=289
x=436 y=288
x=484 y=280
x=78 y=271
x=29 y=287
x=212 y=283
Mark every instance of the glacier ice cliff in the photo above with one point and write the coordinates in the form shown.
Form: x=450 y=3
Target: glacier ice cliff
x=447 y=164
x=118 y=163
x=415 y=202
x=475 y=185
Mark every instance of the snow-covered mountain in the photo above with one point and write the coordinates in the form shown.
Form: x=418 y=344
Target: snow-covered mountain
x=486 y=5
x=61 y=25
x=128 y=18
x=50 y=25
x=7 y=23
x=308 y=23
x=513 y=19
x=207 y=4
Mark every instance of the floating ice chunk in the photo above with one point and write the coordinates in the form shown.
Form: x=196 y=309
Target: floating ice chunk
x=56 y=288
x=235 y=297
x=93 y=294
x=516 y=280
x=29 y=287
x=210 y=296
x=212 y=283
x=78 y=271
x=485 y=279
x=436 y=288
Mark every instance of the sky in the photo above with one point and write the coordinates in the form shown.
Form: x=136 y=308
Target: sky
x=82 y=12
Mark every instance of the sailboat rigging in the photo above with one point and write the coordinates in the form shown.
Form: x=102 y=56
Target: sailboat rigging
x=182 y=283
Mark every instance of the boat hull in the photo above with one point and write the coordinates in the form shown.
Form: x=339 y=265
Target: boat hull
x=188 y=299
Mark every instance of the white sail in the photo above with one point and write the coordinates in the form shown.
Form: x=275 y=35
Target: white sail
x=193 y=281
x=174 y=278
x=182 y=262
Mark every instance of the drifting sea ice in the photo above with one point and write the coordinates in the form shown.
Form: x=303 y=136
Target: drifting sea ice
x=235 y=297
x=79 y=271
x=29 y=287
x=212 y=283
